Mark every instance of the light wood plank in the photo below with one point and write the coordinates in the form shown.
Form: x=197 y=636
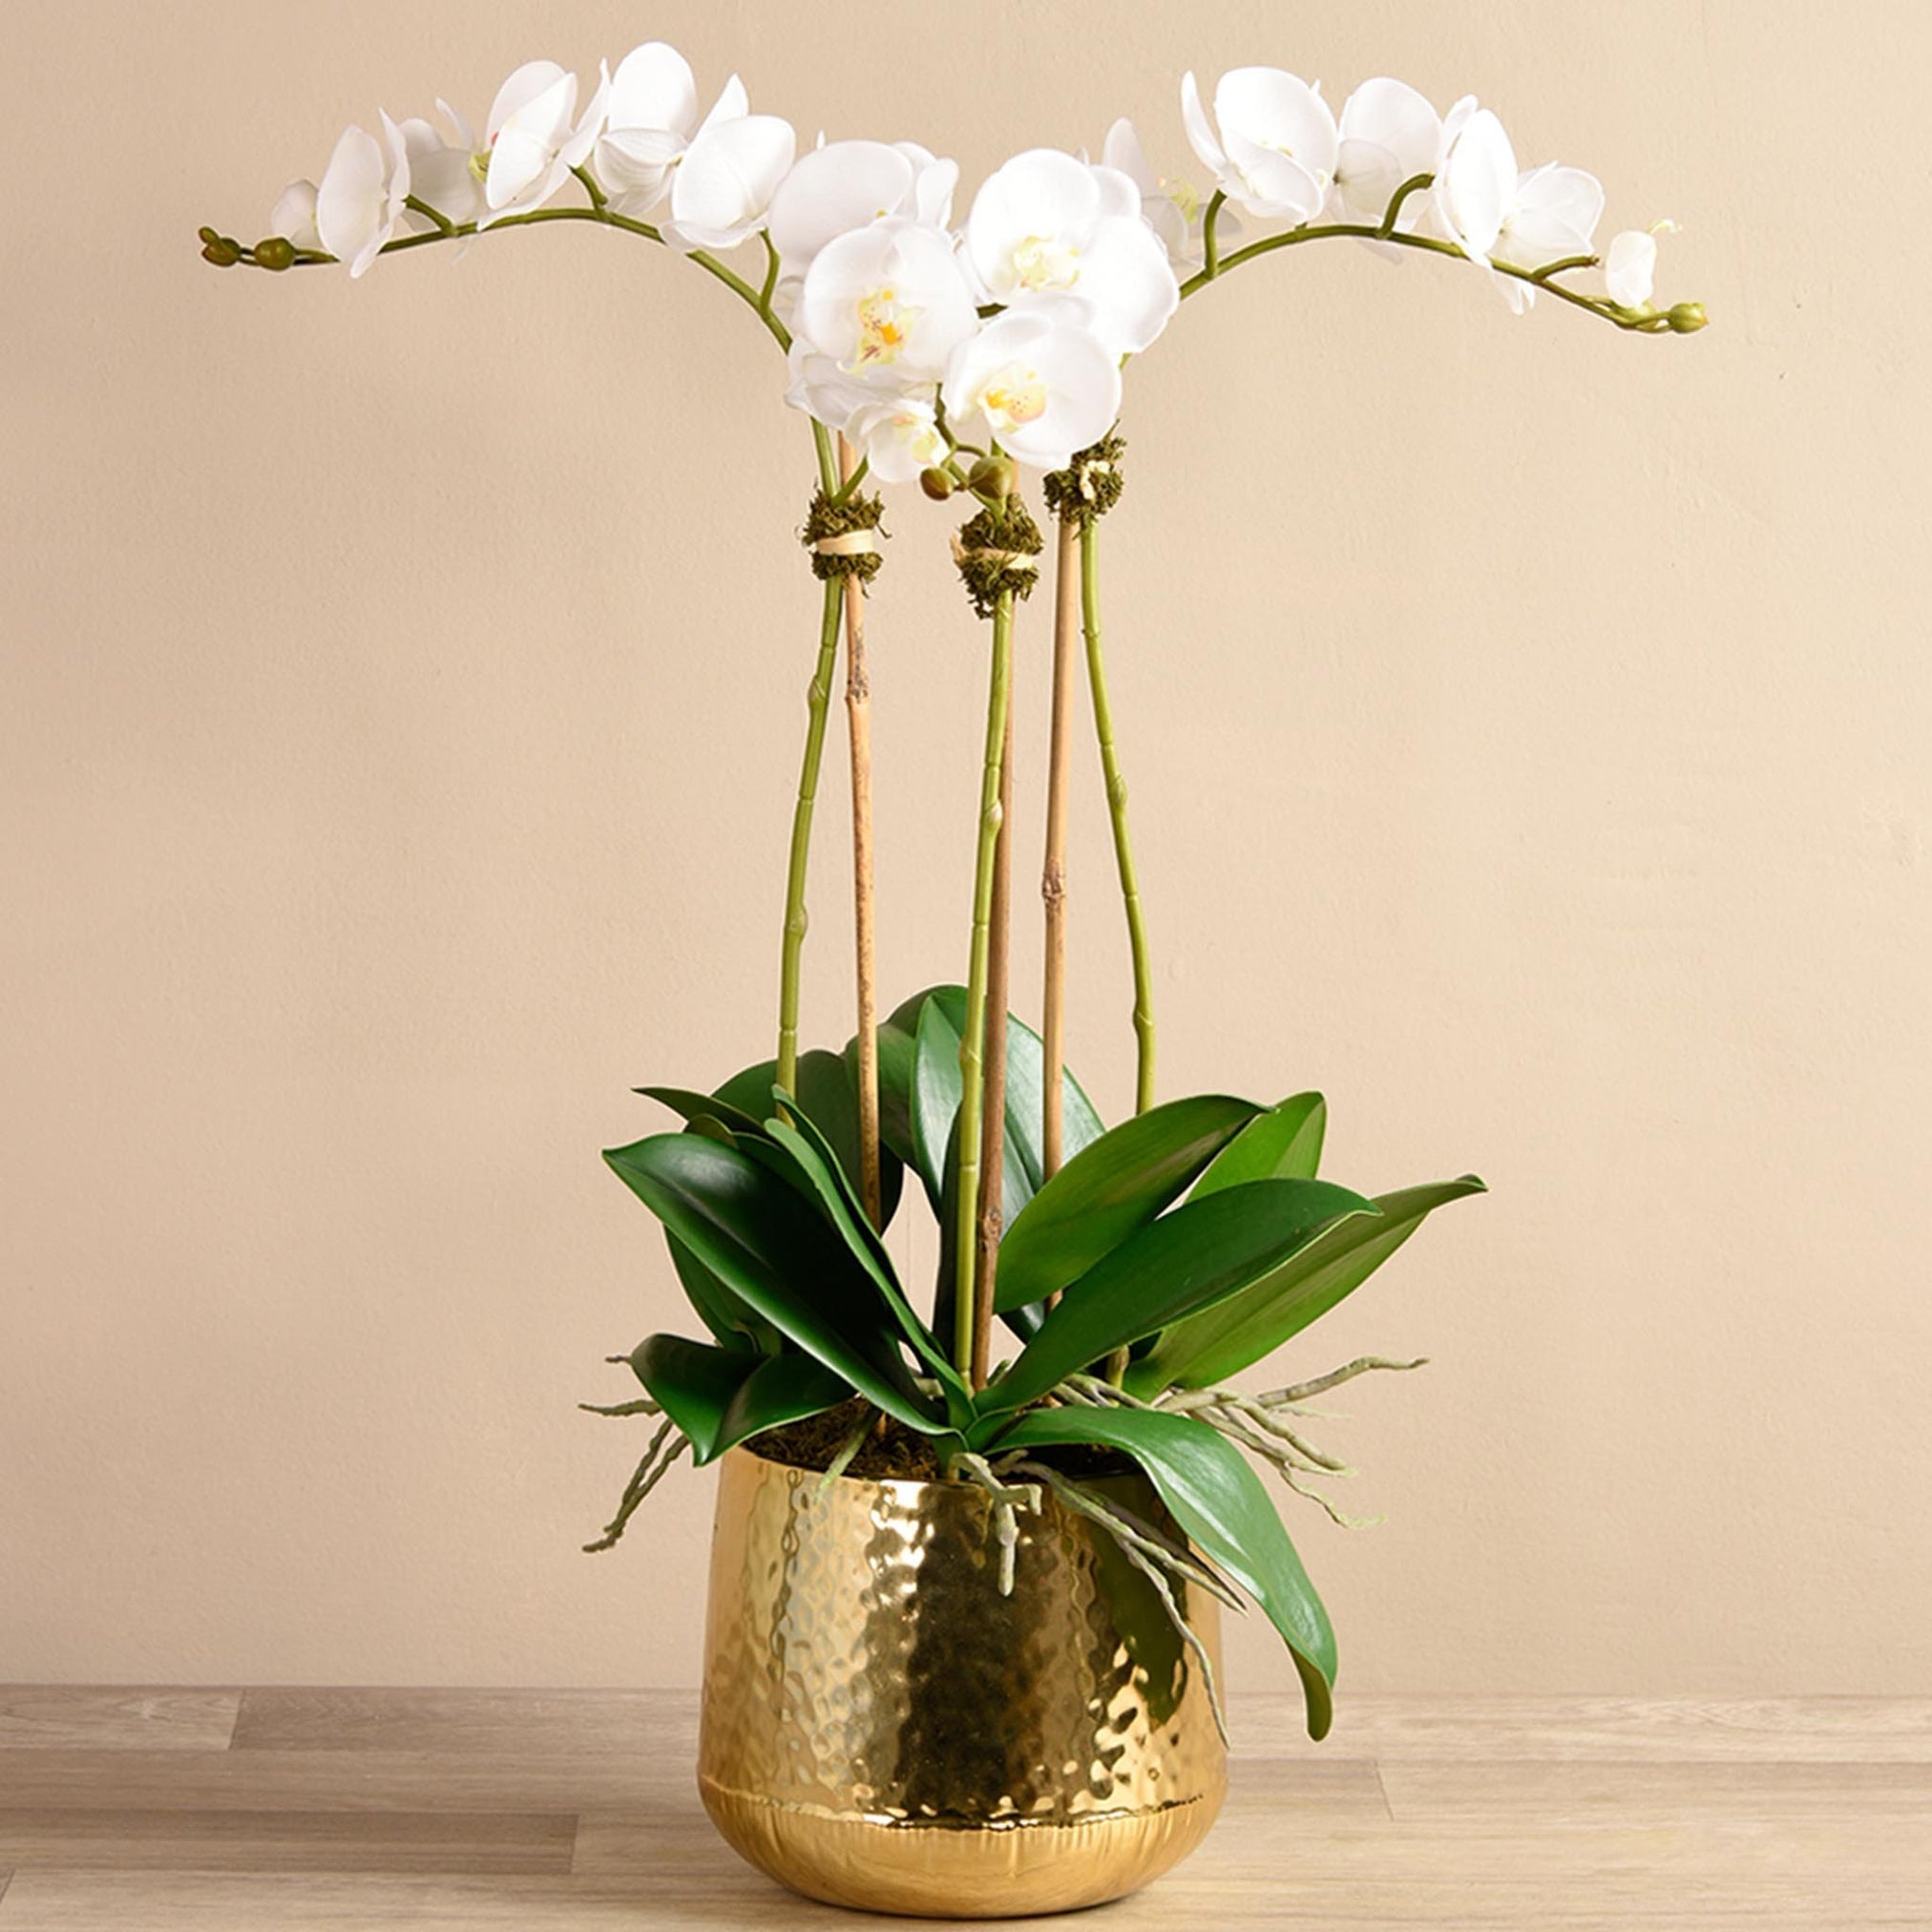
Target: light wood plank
x=473 y=1843
x=59 y=1716
x=1629 y=1729
x=488 y=1723
x=338 y=1780
x=735 y=1900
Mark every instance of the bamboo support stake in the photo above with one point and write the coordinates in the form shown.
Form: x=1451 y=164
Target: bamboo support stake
x=858 y=697
x=993 y=1126
x=1053 y=875
x=972 y=1039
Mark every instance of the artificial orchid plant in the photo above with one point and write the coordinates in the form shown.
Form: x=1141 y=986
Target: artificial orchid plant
x=1139 y=1267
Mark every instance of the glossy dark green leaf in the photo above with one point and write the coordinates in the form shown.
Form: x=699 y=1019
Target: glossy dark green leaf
x=828 y=1091
x=936 y=1088
x=1113 y=1185
x=814 y=1161
x=775 y=1250
x=1282 y=1144
x=1201 y=1252
x=730 y=1317
x=720 y=1397
x=1025 y=1081
x=1208 y=1348
x=1220 y=1501
x=696 y=1106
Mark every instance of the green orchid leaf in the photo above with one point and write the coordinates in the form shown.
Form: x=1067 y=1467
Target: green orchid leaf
x=731 y=1319
x=1220 y=1342
x=1025 y=1083
x=692 y=1107
x=815 y=1163
x=1199 y=1254
x=1220 y=1501
x=827 y=1090
x=773 y=1247
x=1112 y=1186
x=720 y=1397
x=935 y=1096
x=1282 y=1144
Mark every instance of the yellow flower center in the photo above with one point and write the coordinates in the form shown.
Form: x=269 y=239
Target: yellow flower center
x=1013 y=397
x=1042 y=262
x=884 y=325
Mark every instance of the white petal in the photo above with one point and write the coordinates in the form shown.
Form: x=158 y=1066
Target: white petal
x=654 y=88
x=933 y=193
x=1630 y=268
x=1122 y=150
x=900 y=436
x=518 y=162
x=726 y=182
x=1128 y=280
x=896 y=270
x=531 y=82
x=1273 y=184
x=833 y=189
x=733 y=103
x=1278 y=110
x=576 y=151
x=1200 y=129
x=1396 y=118
x=1367 y=175
x=466 y=138
x=348 y=203
x=1555 y=214
x=293 y=216
x=1119 y=194
x=1478 y=184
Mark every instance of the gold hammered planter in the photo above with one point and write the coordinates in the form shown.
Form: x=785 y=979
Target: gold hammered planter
x=883 y=1730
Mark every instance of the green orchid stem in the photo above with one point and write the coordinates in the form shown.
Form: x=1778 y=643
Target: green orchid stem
x=1218 y=266
x=1117 y=807
x=973 y=1036
x=818 y=700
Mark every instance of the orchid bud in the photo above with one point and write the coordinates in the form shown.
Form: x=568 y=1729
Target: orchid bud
x=936 y=484
x=221 y=252
x=1687 y=318
x=994 y=477
x=277 y=252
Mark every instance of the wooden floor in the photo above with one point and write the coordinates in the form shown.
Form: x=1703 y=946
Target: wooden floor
x=203 y=1811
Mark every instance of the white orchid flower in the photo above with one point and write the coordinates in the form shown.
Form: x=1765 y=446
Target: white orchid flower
x=1277 y=148
x=845 y=185
x=722 y=190
x=1389 y=134
x=888 y=303
x=536 y=136
x=1630 y=268
x=446 y=176
x=898 y=434
x=293 y=216
x=652 y=122
x=1171 y=206
x=1046 y=228
x=1040 y=383
x=359 y=202
x=1496 y=212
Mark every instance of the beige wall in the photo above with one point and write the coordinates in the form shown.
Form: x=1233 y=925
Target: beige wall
x=1527 y=728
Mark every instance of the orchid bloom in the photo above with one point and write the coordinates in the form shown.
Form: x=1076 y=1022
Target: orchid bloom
x=1494 y=212
x=446 y=176
x=652 y=121
x=1170 y=207
x=1046 y=228
x=1389 y=135
x=1275 y=151
x=847 y=185
x=360 y=201
x=1630 y=268
x=1040 y=383
x=293 y=216
x=722 y=189
x=888 y=303
x=534 y=137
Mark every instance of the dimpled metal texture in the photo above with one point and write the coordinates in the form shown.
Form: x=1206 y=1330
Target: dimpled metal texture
x=882 y=1728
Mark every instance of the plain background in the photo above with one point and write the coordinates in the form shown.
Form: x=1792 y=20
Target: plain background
x=1527 y=733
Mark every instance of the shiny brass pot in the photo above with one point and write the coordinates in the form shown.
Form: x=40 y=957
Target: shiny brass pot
x=882 y=1728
